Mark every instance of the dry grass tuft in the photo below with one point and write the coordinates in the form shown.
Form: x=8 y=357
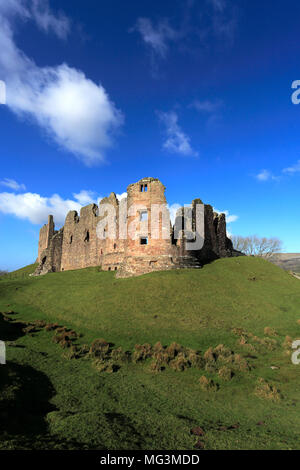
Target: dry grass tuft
x=267 y=391
x=180 y=363
x=105 y=366
x=99 y=348
x=268 y=331
x=142 y=352
x=51 y=326
x=225 y=373
x=208 y=385
x=209 y=355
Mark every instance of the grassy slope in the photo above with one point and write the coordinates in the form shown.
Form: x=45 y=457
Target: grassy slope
x=135 y=408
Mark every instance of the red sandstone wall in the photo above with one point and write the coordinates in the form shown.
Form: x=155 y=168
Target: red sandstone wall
x=46 y=233
x=78 y=245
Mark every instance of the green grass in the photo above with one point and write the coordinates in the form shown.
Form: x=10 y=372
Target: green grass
x=79 y=407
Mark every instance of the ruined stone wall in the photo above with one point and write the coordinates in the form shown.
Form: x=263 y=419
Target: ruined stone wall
x=79 y=249
x=51 y=256
x=134 y=249
x=46 y=233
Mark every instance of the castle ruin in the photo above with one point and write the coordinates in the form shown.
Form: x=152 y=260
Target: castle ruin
x=134 y=248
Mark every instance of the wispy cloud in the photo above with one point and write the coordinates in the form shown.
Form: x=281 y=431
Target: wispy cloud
x=156 y=37
x=266 y=175
x=73 y=110
x=292 y=169
x=12 y=184
x=46 y=21
x=224 y=19
x=176 y=141
x=215 y=19
x=218 y=5
x=206 y=106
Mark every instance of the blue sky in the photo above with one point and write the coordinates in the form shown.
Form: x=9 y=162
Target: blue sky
x=102 y=93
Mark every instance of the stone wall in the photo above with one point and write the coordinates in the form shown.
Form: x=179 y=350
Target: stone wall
x=46 y=233
x=135 y=249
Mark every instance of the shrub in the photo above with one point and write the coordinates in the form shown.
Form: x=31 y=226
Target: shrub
x=51 y=326
x=211 y=367
x=99 y=348
x=71 y=353
x=239 y=331
x=225 y=373
x=270 y=331
x=195 y=359
x=39 y=323
x=241 y=363
x=83 y=350
x=118 y=355
x=29 y=330
x=157 y=366
x=208 y=384
x=209 y=355
x=287 y=344
x=267 y=391
x=105 y=366
x=173 y=350
x=142 y=352
x=180 y=363
x=157 y=349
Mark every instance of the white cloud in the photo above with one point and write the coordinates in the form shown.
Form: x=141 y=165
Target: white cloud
x=264 y=175
x=157 y=38
x=85 y=197
x=292 y=169
x=35 y=208
x=176 y=140
x=38 y=11
x=230 y=218
x=12 y=184
x=73 y=110
x=207 y=106
x=121 y=196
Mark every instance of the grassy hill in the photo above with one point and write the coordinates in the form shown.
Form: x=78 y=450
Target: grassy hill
x=230 y=321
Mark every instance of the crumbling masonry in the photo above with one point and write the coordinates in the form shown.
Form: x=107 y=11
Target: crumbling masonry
x=78 y=245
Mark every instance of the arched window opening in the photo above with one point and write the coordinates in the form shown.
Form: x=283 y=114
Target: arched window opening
x=87 y=236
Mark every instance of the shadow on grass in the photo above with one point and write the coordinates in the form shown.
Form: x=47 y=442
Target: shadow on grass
x=25 y=395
